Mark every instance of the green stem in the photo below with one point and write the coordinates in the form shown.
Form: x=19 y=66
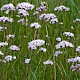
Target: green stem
x=54 y=66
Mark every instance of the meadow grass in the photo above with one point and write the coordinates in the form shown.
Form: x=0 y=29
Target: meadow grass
x=36 y=70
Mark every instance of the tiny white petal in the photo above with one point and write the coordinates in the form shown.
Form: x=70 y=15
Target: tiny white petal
x=14 y=57
x=1 y=53
x=48 y=62
x=27 y=61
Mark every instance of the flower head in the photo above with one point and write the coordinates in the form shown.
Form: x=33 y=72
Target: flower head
x=21 y=21
x=72 y=60
x=76 y=20
x=8 y=7
x=23 y=12
x=25 y=6
x=35 y=43
x=49 y=17
x=43 y=49
x=57 y=53
x=14 y=48
x=48 y=62
x=69 y=34
x=75 y=67
x=58 y=39
x=36 y=25
x=41 y=8
x=27 y=61
x=78 y=49
x=2 y=28
x=8 y=58
x=64 y=44
x=10 y=36
x=61 y=8
x=2 y=44
x=6 y=19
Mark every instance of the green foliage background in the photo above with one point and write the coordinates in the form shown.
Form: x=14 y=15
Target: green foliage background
x=35 y=70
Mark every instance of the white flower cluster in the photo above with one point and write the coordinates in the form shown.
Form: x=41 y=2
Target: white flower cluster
x=48 y=62
x=27 y=61
x=74 y=66
x=23 y=12
x=68 y=34
x=78 y=49
x=9 y=58
x=61 y=8
x=10 y=36
x=4 y=19
x=24 y=7
x=57 y=53
x=49 y=17
x=72 y=60
x=43 y=49
x=36 y=25
x=58 y=39
x=14 y=48
x=2 y=28
x=42 y=8
x=76 y=20
x=35 y=43
x=6 y=58
x=8 y=7
x=22 y=21
x=2 y=44
x=64 y=44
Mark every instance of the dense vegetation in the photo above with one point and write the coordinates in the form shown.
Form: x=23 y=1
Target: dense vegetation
x=16 y=65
